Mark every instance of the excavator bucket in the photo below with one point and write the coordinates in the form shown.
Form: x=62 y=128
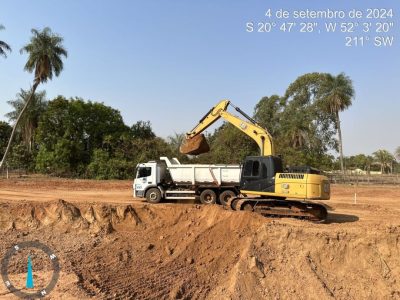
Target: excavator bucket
x=195 y=145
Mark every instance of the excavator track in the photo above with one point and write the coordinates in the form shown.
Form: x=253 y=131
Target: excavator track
x=280 y=208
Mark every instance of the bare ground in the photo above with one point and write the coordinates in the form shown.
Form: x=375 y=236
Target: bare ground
x=113 y=247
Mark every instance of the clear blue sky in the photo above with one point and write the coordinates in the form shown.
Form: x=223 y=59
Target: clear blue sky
x=170 y=61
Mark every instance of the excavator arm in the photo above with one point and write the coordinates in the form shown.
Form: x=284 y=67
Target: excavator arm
x=195 y=142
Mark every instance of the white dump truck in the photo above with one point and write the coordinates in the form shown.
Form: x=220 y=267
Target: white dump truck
x=169 y=179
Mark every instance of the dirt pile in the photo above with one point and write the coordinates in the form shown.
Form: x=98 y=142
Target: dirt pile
x=185 y=251
x=65 y=216
x=291 y=260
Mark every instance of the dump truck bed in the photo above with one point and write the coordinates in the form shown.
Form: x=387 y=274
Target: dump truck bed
x=203 y=173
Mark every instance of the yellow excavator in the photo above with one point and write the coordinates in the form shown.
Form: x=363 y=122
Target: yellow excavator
x=264 y=185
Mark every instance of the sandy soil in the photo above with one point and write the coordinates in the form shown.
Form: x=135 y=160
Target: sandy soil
x=111 y=246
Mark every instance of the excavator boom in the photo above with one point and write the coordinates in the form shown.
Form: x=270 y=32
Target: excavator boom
x=196 y=143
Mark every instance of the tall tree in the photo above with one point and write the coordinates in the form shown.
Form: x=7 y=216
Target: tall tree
x=142 y=130
x=45 y=51
x=4 y=46
x=30 y=120
x=306 y=130
x=385 y=159
x=337 y=93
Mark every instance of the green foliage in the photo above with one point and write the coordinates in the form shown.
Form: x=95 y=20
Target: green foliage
x=359 y=161
x=268 y=113
x=120 y=164
x=380 y=160
x=385 y=159
x=229 y=145
x=336 y=93
x=45 y=51
x=30 y=119
x=5 y=131
x=89 y=139
x=59 y=160
x=21 y=158
x=103 y=166
x=142 y=130
x=4 y=46
x=303 y=132
x=74 y=137
x=302 y=124
x=149 y=149
x=70 y=130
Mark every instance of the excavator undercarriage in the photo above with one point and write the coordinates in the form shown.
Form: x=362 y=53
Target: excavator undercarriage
x=279 y=208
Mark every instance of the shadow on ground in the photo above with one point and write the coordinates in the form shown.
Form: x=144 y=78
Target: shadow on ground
x=340 y=218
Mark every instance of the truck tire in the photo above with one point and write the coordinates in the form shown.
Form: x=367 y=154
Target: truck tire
x=153 y=195
x=208 y=197
x=225 y=196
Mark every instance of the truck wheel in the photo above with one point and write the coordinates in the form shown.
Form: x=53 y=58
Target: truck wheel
x=153 y=195
x=208 y=197
x=225 y=196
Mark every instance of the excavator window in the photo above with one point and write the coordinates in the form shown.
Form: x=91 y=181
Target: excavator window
x=256 y=168
x=264 y=169
x=247 y=168
x=251 y=168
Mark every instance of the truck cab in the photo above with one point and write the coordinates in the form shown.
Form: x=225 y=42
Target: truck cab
x=146 y=177
x=153 y=174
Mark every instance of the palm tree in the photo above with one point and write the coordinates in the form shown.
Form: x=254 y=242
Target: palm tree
x=397 y=153
x=369 y=160
x=4 y=46
x=385 y=159
x=337 y=93
x=45 y=51
x=175 y=141
x=30 y=120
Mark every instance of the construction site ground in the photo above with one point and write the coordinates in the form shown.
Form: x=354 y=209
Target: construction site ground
x=111 y=246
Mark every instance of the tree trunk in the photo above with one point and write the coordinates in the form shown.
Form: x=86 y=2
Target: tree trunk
x=34 y=87
x=340 y=142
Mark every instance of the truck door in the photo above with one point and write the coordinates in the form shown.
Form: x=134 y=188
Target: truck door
x=142 y=181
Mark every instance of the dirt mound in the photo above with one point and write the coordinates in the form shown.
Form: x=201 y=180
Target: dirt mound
x=65 y=216
x=185 y=251
x=286 y=260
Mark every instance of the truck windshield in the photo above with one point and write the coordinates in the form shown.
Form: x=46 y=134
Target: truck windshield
x=143 y=172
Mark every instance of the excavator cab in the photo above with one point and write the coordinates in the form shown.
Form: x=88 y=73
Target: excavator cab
x=258 y=173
